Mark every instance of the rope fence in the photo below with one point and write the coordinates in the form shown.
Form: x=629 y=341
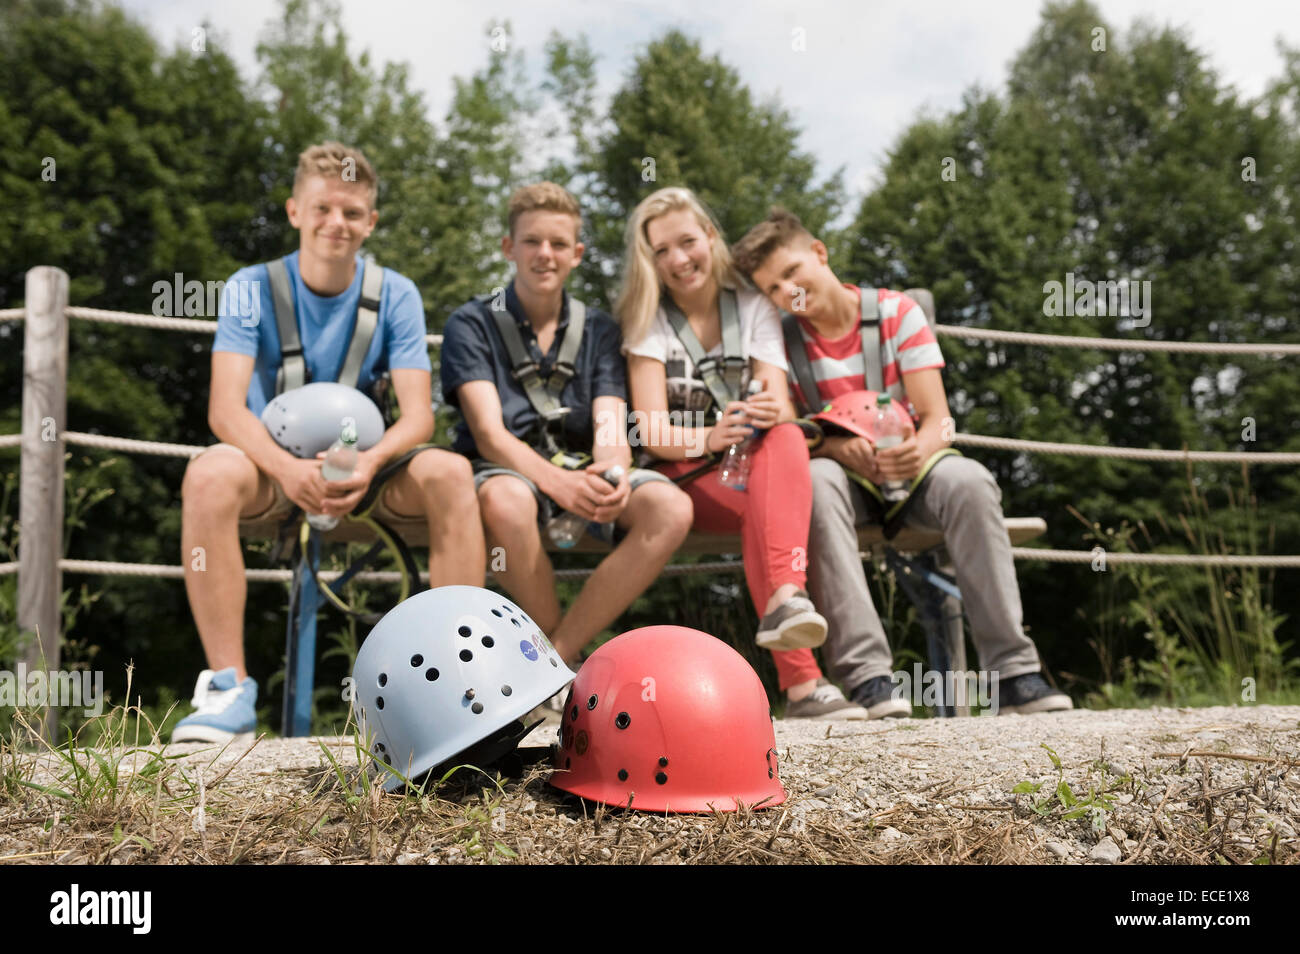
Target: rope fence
x=45 y=384
x=109 y=568
x=133 y=446
x=1111 y=344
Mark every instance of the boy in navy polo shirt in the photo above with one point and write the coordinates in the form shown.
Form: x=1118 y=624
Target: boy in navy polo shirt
x=249 y=477
x=520 y=489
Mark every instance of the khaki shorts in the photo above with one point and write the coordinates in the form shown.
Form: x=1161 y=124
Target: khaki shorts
x=282 y=506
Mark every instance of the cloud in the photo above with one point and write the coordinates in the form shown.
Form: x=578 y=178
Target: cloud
x=867 y=70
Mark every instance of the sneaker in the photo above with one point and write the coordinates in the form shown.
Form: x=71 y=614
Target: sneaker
x=226 y=709
x=795 y=624
x=1030 y=693
x=825 y=702
x=877 y=697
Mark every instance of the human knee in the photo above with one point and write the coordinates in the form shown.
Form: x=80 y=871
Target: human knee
x=507 y=505
x=666 y=508
x=442 y=471
x=219 y=480
x=968 y=482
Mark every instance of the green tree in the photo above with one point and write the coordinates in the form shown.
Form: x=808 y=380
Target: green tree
x=1111 y=164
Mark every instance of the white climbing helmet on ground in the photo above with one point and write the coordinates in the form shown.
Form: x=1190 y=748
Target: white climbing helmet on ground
x=307 y=420
x=449 y=670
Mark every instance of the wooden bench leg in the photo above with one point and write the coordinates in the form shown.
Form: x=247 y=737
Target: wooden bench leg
x=300 y=644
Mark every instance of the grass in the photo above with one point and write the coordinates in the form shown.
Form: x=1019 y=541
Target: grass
x=1210 y=633
x=128 y=799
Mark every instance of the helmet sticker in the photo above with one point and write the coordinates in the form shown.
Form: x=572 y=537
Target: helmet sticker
x=530 y=653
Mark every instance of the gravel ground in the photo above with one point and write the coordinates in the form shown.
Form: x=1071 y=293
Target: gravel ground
x=1144 y=786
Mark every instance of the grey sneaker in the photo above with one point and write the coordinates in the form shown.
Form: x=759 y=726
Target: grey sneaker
x=795 y=624
x=825 y=702
x=877 y=697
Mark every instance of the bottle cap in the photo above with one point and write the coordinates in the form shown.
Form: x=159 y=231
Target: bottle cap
x=882 y=399
x=349 y=433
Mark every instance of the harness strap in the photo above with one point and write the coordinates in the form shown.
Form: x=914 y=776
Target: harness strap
x=293 y=369
x=796 y=353
x=363 y=331
x=869 y=326
x=722 y=378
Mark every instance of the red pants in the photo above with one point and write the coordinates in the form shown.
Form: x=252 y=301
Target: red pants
x=772 y=517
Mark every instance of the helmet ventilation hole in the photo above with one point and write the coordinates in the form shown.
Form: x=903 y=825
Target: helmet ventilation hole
x=661 y=778
x=574 y=713
x=663 y=762
x=622 y=775
x=466 y=655
x=476 y=708
x=591 y=702
x=488 y=642
x=431 y=674
x=496 y=613
x=417 y=661
x=623 y=720
x=383 y=679
x=555 y=664
x=465 y=631
x=379 y=701
x=518 y=624
x=506 y=690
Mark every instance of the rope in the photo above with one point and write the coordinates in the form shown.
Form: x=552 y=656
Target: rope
x=1112 y=344
x=145 y=321
x=971 y=440
x=104 y=568
x=1126 y=453
x=1151 y=559
x=134 y=446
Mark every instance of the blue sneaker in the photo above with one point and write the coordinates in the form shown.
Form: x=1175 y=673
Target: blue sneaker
x=225 y=709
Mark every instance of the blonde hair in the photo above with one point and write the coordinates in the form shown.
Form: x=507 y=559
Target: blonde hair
x=638 y=299
x=333 y=160
x=542 y=197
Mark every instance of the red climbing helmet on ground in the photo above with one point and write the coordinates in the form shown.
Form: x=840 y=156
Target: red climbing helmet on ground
x=666 y=718
x=853 y=413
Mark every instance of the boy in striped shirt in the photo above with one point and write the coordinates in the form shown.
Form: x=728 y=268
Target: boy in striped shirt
x=960 y=497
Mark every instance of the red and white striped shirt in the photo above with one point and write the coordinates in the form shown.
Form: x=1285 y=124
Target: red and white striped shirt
x=906 y=344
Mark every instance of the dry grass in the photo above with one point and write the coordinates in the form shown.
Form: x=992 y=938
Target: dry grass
x=132 y=801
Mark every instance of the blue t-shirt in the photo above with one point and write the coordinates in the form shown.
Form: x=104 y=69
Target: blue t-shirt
x=246 y=325
x=472 y=350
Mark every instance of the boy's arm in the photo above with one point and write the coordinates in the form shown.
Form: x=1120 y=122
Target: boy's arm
x=414 y=390
x=575 y=491
x=925 y=390
x=232 y=421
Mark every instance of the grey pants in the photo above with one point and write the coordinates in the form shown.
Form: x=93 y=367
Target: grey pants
x=961 y=499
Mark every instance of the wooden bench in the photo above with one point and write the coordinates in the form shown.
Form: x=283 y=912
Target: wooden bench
x=916 y=557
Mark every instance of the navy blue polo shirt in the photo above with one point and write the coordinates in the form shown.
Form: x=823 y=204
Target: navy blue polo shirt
x=472 y=350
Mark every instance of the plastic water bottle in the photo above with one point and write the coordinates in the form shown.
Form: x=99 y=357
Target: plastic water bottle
x=340 y=461
x=567 y=529
x=733 y=472
x=889 y=431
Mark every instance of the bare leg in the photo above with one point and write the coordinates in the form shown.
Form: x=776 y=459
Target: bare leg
x=440 y=485
x=218 y=487
x=509 y=512
x=658 y=517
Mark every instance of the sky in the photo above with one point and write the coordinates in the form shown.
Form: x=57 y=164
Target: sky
x=865 y=71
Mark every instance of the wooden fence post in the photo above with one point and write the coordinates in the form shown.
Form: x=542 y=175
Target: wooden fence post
x=40 y=489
